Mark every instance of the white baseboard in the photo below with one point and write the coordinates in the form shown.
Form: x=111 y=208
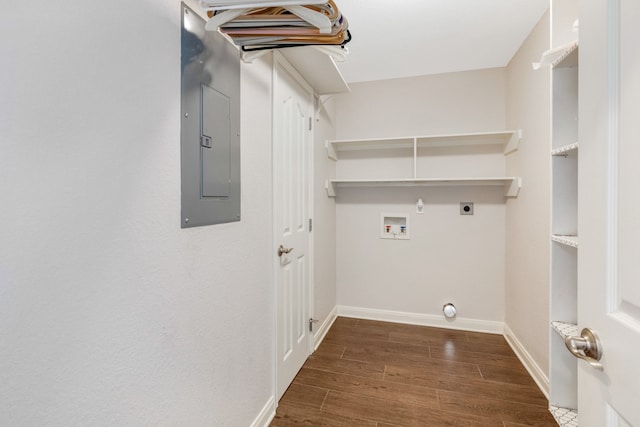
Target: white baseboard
x=460 y=323
x=530 y=365
x=265 y=416
x=324 y=328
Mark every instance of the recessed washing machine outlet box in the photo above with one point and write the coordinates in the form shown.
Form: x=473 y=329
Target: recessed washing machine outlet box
x=394 y=226
x=466 y=208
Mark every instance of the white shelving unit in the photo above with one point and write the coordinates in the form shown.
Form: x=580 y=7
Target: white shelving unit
x=563 y=369
x=408 y=161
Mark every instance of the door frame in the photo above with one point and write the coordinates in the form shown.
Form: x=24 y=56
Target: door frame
x=279 y=60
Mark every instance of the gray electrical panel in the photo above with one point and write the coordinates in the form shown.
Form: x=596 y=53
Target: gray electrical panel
x=210 y=125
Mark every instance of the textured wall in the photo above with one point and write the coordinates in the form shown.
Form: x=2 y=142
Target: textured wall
x=110 y=314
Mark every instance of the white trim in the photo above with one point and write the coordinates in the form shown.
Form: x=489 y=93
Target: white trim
x=324 y=328
x=274 y=225
x=464 y=324
x=267 y=414
x=613 y=159
x=529 y=363
x=311 y=213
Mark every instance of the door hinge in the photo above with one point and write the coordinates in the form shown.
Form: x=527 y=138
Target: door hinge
x=311 y=322
x=310 y=224
x=310 y=123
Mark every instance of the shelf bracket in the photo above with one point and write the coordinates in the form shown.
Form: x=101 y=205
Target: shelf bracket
x=249 y=57
x=512 y=188
x=513 y=143
x=330 y=187
x=331 y=151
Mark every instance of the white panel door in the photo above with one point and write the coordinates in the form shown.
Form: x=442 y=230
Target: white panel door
x=292 y=171
x=609 y=210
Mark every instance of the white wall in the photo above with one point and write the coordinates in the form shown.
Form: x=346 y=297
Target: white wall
x=470 y=101
x=450 y=257
x=528 y=216
x=110 y=314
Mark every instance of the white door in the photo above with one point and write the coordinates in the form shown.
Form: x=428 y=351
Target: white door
x=292 y=195
x=609 y=210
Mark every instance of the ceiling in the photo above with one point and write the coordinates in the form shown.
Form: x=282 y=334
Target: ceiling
x=404 y=38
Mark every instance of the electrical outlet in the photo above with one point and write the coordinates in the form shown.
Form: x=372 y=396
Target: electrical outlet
x=466 y=208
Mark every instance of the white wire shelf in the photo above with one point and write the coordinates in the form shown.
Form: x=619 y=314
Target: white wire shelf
x=565 y=240
x=565 y=329
x=564 y=417
x=568 y=58
x=566 y=150
x=559 y=57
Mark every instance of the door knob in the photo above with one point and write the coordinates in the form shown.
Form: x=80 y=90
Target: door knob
x=586 y=347
x=283 y=250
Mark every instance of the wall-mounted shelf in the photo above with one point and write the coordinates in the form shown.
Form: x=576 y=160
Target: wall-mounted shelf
x=509 y=140
x=566 y=150
x=511 y=184
x=565 y=240
x=568 y=57
x=564 y=56
x=474 y=159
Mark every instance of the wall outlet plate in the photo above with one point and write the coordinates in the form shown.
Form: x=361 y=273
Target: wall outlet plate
x=394 y=226
x=466 y=208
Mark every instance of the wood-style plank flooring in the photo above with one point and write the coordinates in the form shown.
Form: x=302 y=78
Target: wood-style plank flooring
x=378 y=374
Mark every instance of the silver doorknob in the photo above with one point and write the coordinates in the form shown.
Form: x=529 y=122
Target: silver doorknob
x=283 y=250
x=586 y=347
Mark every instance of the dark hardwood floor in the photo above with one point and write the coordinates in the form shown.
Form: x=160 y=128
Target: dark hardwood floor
x=378 y=374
